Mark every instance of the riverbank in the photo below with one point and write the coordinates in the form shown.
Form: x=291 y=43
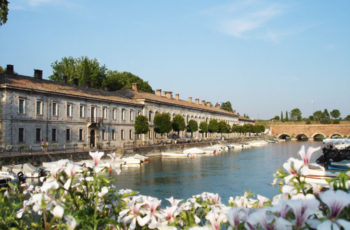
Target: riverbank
x=36 y=158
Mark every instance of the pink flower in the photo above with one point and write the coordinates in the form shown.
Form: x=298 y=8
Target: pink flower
x=96 y=156
x=303 y=207
x=306 y=156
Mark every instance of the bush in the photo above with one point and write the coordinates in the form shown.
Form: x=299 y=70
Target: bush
x=336 y=122
x=308 y=121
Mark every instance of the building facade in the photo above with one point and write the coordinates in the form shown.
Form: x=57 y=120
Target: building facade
x=35 y=111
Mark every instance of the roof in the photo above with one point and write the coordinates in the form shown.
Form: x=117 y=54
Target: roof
x=150 y=97
x=241 y=118
x=20 y=82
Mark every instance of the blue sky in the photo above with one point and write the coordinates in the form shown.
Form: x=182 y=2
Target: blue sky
x=263 y=56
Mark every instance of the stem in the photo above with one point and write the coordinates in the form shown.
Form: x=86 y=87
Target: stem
x=96 y=200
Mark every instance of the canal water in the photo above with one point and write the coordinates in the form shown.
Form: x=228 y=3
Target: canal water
x=229 y=174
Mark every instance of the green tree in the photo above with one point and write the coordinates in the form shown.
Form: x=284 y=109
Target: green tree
x=248 y=128
x=347 y=118
x=4 y=10
x=287 y=119
x=227 y=106
x=223 y=127
x=141 y=125
x=162 y=123
x=325 y=113
x=192 y=126
x=276 y=118
x=2 y=70
x=123 y=80
x=203 y=126
x=295 y=114
x=335 y=113
x=282 y=116
x=213 y=126
x=178 y=123
x=317 y=115
x=89 y=72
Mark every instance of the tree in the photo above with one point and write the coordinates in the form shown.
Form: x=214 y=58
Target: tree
x=2 y=70
x=325 y=113
x=162 y=123
x=178 y=123
x=141 y=125
x=317 y=115
x=276 y=118
x=213 y=126
x=287 y=119
x=282 y=116
x=226 y=106
x=4 y=10
x=347 y=118
x=295 y=114
x=335 y=113
x=87 y=71
x=223 y=127
x=192 y=126
x=203 y=126
x=123 y=80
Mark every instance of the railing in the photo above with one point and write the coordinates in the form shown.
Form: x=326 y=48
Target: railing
x=94 y=119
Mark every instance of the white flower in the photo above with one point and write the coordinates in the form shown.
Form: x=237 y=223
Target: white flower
x=96 y=156
x=303 y=207
x=103 y=192
x=306 y=156
x=236 y=215
x=58 y=211
x=336 y=201
x=70 y=222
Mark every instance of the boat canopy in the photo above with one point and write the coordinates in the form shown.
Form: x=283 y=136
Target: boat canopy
x=337 y=141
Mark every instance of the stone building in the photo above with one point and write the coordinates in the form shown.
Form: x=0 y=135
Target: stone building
x=34 y=111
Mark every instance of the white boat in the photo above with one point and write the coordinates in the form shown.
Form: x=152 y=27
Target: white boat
x=131 y=161
x=140 y=157
x=174 y=155
x=193 y=151
x=27 y=169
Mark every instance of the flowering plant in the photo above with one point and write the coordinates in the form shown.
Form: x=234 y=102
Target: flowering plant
x=76 y=197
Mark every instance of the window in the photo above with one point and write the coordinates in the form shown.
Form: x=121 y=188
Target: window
x=123 y=114
x=69 y=110
x=53 y=135
x=54 y=109
x=122 y=134
x=38 y=135
x=103 y=135
x=130 y=134
x=150 y=134
x=39 y=108
x=131 y=115
x=21 y=106
x=113 y=134
x=21 y=135
x=114 y=114
x=67 y=134
x=93 y=111
x=150 y=116
x=81 y=135
x=82 y=111
x=104 y=113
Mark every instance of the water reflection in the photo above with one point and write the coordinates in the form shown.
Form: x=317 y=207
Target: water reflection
x=228 y=174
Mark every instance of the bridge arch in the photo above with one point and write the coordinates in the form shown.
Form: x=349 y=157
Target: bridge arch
x=336 y=135
x=284 y=136
x=302 y=137
x=318 y=136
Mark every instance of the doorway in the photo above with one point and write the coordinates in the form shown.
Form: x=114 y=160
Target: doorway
x=92 y=138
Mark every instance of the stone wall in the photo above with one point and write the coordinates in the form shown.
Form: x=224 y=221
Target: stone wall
x=311 y=130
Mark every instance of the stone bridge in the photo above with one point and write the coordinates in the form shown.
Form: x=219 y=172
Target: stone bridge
x=312 y=131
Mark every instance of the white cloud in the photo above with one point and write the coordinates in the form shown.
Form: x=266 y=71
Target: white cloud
x=252 y=19
x=30 y=4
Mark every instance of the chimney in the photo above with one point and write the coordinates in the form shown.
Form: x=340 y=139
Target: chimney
x=158 y=92
x=203 y=102
x=190 y=99
x=10 y=69
x=76 y=81
x=177 y=96
x=134 y=86
x=197 y=101
x=65 y=79
x=169 y=94
x=217 y=105
x=38 y=74
x=208 y=104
